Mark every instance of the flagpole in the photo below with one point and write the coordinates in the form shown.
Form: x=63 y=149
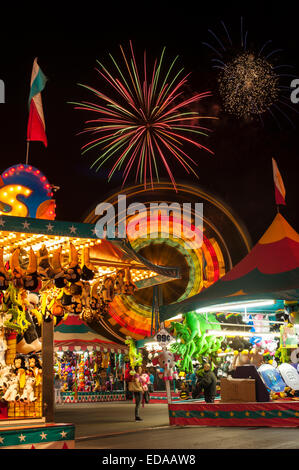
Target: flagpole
x=27 y=152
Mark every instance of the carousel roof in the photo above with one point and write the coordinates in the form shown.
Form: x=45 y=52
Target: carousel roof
x=269 y=271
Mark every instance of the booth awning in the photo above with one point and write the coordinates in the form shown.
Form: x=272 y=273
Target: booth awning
x=73 y=334
x=269 y=271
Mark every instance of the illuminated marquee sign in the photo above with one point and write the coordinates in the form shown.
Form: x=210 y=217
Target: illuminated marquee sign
x=26 y=192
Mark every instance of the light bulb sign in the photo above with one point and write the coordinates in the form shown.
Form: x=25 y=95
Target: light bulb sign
x=26 y=192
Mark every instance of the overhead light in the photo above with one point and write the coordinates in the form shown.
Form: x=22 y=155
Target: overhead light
x=236 y=305
x=239 y=333
x=177 y=317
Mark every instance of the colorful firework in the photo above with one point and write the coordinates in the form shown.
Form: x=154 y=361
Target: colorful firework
x=148 y=122
x=250 y=85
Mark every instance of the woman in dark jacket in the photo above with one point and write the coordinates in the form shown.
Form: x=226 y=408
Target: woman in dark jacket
x=135 y=386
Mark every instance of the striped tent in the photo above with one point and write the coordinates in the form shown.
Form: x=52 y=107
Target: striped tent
x=73 y=334
x=269 y=271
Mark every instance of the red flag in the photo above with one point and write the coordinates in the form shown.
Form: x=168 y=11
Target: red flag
x=280 y=191
x=36 y=129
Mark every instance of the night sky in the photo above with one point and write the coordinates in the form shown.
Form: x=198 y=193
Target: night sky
x=240 y=172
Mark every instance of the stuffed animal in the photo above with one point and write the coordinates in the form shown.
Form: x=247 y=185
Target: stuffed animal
x=291 y=393
x=291 y=308
x=145 y=379
x=129 y=287
x=277 y=395
x=119 y=282
x=12 y=391
x=3 y=346
x=107 y=289
x=28 y=391
x=4 y=275
x=5 y=373
x=166 y=361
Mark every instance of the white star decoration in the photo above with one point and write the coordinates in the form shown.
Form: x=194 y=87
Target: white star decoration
x=26 y=224
x=2 y=222
x=63 y=434
x=73 y=229
x=2 y=439
x=49 y=227
x=22 y=438
x=43 y=435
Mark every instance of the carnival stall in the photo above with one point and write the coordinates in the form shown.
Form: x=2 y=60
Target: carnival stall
x=90 y=366
x=246 y=325
x=51 y=270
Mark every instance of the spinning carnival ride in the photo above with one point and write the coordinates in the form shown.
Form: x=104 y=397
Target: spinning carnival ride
x=225 y=242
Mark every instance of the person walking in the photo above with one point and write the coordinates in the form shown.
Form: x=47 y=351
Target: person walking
x=57 y=387
x=208 y=383
x=135 y=386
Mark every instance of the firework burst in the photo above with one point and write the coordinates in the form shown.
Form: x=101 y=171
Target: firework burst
x=148 y=123
x=248 y=85
x=251 y=82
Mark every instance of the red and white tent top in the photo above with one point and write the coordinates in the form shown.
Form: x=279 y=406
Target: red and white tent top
x=73 y=334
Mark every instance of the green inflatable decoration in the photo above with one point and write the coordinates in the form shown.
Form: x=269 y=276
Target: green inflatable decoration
x=134 y=356
x=193 y=342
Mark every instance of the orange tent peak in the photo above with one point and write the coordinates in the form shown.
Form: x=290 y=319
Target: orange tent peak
x=278 y=230
x=239 y=292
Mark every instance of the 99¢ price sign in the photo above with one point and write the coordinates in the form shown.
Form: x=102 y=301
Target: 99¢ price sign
x=163 y=337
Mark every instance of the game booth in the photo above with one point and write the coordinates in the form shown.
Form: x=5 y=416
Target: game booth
x=90 y=367
x=247 y=326
x=57 y=280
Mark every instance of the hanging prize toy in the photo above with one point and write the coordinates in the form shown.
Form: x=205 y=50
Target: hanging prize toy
x=17 y=272
x=59 y=274
x=291 y=307
x=94 y=297
x=73 y=271
x=44 y=269
x=76 y=290
x=31 y=279
x=87 y=268
x=119 y=282
x=15 y=311
x=129 y=287
x=4 y=275
x=107 y=289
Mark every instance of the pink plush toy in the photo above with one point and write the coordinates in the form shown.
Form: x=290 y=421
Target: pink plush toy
x=144 y=379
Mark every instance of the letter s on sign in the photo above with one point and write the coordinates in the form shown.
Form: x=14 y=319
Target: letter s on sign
x=9 y=197
x=295 y=93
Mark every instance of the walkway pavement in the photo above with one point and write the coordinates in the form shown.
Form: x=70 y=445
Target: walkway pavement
x=110 y=417
x=111 y=426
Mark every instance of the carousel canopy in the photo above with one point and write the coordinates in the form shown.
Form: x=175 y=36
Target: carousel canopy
x=107 y=255
x=73 y=334
x=269 y=271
